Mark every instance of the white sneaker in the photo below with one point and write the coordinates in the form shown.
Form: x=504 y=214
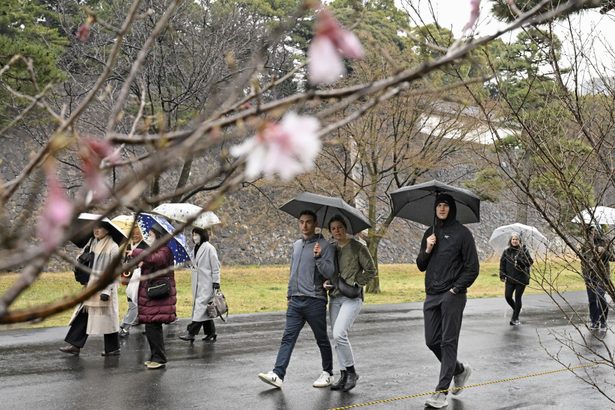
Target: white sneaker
x=271 y=378
x=324 y=380
x=437 y=401
x=460 y=380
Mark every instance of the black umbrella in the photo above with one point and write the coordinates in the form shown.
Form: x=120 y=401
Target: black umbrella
x=325 y=207
x=416 y=202
x=84 y=235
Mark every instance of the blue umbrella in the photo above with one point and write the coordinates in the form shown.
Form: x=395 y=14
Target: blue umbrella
x=177 y=244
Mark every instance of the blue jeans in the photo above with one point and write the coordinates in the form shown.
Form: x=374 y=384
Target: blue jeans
x=303 y=309
x=598 y=306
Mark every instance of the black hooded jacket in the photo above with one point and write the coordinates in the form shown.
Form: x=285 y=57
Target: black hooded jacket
x=453 y=261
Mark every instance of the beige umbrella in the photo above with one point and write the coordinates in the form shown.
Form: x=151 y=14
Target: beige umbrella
x=125 y=223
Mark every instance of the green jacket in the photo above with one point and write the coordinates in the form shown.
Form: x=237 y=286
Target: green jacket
x=354 y=264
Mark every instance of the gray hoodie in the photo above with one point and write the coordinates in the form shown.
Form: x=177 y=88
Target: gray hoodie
x=308 y=273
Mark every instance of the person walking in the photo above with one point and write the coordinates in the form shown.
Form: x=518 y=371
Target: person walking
x=448 y=256
x=596 y=270
x=99 y=314
x=131 y=318
x=354 y=266
x=205 y=281
x=154 y=312
x=515 y=264
x=310 y=265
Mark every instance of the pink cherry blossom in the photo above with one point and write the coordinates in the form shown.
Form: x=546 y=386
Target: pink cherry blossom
x=474 y=13
x=331 y=42
x=93 y=152
x=286 y=149
x=83 y=33
x=56 y=215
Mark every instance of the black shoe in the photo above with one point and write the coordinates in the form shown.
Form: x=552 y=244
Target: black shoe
x=339 y=384
x=70 y=349
x=210 y=338
x=187 y=336
x=111 y=353
x=351 y=381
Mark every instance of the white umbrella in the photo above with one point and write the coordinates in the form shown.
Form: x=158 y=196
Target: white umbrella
x=181 y=212
x=601 y=215
x=530 y=237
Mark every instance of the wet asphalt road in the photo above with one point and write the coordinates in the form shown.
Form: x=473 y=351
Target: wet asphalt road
x=391 y=357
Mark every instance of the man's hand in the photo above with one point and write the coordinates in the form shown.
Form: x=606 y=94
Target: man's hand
x=317 y=250
x=431 y=242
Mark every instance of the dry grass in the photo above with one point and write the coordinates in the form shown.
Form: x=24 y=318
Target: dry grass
x=252 y=289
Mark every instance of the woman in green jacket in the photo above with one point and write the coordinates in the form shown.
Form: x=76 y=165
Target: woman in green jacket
x=355 y=266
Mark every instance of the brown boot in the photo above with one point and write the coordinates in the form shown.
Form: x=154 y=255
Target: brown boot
x=70 y=349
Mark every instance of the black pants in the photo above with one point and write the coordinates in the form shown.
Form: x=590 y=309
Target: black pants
x=443 y=314
x=517 y=289
x=77 y=335
x=155 y=338
x=598 y=306
x=209 y=328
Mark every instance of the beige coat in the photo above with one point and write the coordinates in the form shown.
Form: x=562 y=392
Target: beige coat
x=103 y=317
x=206 y=271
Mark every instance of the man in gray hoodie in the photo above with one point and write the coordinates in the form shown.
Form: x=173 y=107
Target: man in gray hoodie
x=311 y=264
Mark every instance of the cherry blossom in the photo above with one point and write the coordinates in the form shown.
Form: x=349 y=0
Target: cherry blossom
x=93 y=153
x=57 y=212
x=474 y=13
x=287 y=148
x=331 y=42
x=83 y=32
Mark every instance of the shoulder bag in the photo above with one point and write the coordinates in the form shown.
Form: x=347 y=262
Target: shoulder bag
x=85 y=260
x=350 y=291
x=218 y=306
x=159 y=288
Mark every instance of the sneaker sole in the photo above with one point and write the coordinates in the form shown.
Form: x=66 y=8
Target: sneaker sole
x=269 y=382
x=458 y=391
x=436 y=406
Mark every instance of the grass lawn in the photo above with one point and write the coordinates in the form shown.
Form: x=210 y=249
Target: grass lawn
x=251 y=289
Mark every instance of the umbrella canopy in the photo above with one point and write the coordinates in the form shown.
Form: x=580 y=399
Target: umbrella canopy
x=124 y=223
x=530 y=237
x=88 y=218
x=181 y=212
x=325 y=207
x=177 y=244
x=416 y=202
x=601 y=215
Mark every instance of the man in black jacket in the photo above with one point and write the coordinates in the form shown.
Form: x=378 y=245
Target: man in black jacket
x=448 y=255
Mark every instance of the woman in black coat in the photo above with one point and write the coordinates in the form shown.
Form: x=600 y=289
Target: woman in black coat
x=515 y=273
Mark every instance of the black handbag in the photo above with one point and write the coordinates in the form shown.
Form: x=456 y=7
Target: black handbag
x=158 y=288
x=86 y=259
x=350 y=291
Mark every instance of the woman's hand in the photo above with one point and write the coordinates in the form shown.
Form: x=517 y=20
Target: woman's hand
x=216 y=285
x=327 y=284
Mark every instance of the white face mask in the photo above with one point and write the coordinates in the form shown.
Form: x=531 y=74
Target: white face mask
x=196 y=239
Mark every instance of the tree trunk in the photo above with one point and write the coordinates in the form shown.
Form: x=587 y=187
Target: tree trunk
x=373 y=286
x=183 y=177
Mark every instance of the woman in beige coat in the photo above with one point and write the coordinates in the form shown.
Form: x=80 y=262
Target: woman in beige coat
x=98 y=315
x=205 y=281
